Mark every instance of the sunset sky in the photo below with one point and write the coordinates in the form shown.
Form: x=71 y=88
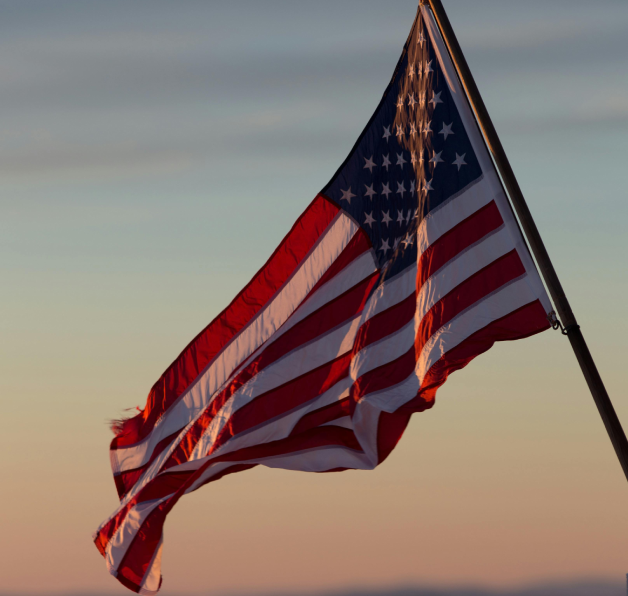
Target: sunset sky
x=152 y=156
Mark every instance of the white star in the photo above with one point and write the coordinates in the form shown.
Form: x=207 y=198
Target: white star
x=401 y=188
x=387 y=219
x=436 y=159
x=446 y=130
x=396 y=243
x=400 y=102
x=400 y=160
x=412 y=129
x=420 y=39
x=408 y=216
x=401 y=218
x=399 y=130
x=419 y=70
x=385 y=246
x=409 y=241
x=386 y=190
x=386 y=162
x=411 y=100
x=411 y=70
x=369 y=191
x=421 y=156
x=436 y=98
x=427 y=129
x=427 y=185
x=369 y=219
x=386 y=133
x=370 y=164
x=413 y=158
x=422 y=99
x=428 y=67
x=460 y=161
x=412 y=188
x=347 y=195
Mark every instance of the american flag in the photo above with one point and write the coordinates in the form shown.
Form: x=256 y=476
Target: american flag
x=405 y=267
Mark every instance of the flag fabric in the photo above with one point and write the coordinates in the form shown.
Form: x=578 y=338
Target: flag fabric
x=405 y=267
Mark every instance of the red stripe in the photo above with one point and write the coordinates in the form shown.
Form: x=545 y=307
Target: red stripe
x=386 y=323
x=467 y=293
x=127 y=479
x=205 y=346
x=163 y=485
x=328 y=317
x=140 y=552
x=105 y=534
x=390 y=428
x=454 y=241
x=138 y=557
x=384 y=376
x=357 y=246
x=285 y=398
x=229 y=470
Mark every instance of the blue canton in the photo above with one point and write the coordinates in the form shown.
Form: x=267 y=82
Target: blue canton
x=413 y=155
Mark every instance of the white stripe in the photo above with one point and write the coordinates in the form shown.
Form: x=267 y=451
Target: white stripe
x=383 y=351
x=392 y=346
x=265 y=324
x=462 y=267
x=349 y=277
x=391 y=292
x=125 y=533
x=295 y=364
x=320 y=459
x=312 y=460
x=152 y=577
x=455 y=210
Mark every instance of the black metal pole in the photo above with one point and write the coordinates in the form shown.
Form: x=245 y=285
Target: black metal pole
x=591 y=374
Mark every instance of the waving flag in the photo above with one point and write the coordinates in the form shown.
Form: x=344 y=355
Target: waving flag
x=405 y=267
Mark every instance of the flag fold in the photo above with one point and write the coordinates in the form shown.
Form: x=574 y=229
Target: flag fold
x=406 y=266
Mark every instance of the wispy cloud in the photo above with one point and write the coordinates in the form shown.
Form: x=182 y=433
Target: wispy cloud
x=80 y=162
x=607 y=112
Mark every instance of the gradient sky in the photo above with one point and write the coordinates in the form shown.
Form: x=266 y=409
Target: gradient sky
x=153 y=154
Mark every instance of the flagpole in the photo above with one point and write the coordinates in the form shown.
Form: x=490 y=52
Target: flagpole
x=567 y=317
